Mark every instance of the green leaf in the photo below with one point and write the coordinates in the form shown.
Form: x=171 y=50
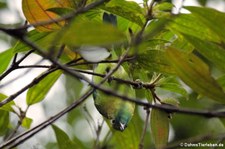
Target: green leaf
x=26 y=123
x=159 y=124
x=155 y=28
x=5 y=58
x=7 y=107
x=73 y=88
x=172 y=84
x=190 y=25
x=38 y=92
x=42 y=39
x=174 y=87
x=202 y=2
x=170 y=101
x=162 y=10
x=91 y=33
x=221 y=81
x=130 y=137
x=63 y=139
x=209 y=50
x=157 y=62
x=4 y=121
x=164 y=6
x=128 y=10
x=211 y=18
x=195 y=73
x=3 y=5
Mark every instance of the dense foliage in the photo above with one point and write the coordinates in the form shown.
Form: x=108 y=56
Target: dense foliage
x=175 y=63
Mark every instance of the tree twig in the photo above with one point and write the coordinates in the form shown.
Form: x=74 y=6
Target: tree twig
x=15 y=64
x=34 y=82
x=28 y=134
x=141 y=144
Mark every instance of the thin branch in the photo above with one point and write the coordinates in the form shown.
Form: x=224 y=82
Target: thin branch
x=90 y=120
x=135 y=84
x=19 y=76
x=98 y=132
x=14 y=58
x=25 y=56
x=141 y=144
x=28 y=134
x=60 y=51
x=104 y=61
x=34 y=66
x=15 y=64
x=34 y=82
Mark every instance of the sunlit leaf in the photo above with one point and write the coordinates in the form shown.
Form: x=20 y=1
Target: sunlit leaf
x=91 y=33
x=162 y=10
x=63 y=139
x=38 y=92
x=159 y=124
x=5 y=58
x=42 y=15
x=195 y=73
x=7 y=107
x=211 y=18
x=26 y=123
x=190 y=25
x=156 y=27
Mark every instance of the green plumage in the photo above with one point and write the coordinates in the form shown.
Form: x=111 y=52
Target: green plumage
x=119 y=111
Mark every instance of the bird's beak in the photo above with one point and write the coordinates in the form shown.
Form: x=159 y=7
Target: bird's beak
x=122 y=126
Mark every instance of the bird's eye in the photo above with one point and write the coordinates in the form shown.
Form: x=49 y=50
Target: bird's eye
x=107 y=69
x=113 y=121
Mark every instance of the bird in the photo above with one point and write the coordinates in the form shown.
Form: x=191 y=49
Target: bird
x=113 y=108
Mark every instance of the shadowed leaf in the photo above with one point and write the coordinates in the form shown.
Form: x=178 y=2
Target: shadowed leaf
x=159 y=123
x=63 y=139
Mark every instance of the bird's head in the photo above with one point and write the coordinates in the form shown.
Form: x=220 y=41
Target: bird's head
x=120 y=122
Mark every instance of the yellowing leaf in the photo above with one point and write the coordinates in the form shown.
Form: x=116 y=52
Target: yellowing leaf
x=159 y=127
x=36 y=11
x=195 y=73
